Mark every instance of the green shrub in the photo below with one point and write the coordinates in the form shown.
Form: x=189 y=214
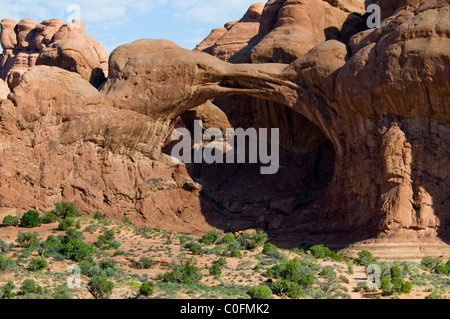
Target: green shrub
x=436 y=294
x=365 y=258
x=196 y=249
x=269 y=248
x=361 y=286
x=11 y=220
x=406 y=287
x=318 y=251
x=272 y=251
x=65 y=224
x=221 y=261
x=126 y=221
x=5 y=247
x=27 y=239
x=146 y=289
x=86 y=267
x=400 y=286
x=248 y=241
x=215 y=270
x=98 y=215
x=66 y=209
x=70 y=246
x=143 y=263
x=109 y=267
x=440 y=269
x=49 y=218
x=211 y=237
x=107 y=241
x=37 y=264
x=386 y=286
x=322 y=252
x=184 y=274
x=430 y=263
x=72 y=234
x=228 y=238
x=236 y=253
x=306 y=281
x=260 y=238
x=62 y=292
x=96 y=271
x=52 y=246
x=397 y=284
x=406 y=269
x=396 y=272
x=30 y=219
x=260 y=292
x=294 y=270
x=296 y=250
x=100 y=287
x=344 y=279
x=78 y=250
x=294 y=290
x=8 y=290
x=189 y=244
x=350 y=269
x=283 y=287
x=29 y=286
x=105 y=264
x=5 y=263
x=245 y=241
x=327 y=272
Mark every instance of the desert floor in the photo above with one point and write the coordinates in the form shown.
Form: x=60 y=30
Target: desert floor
x=166 y=250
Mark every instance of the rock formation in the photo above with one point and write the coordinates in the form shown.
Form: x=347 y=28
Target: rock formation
x=75 y=56
x=234 y=36
x=4 y=90
x=364 y=118
x=24 y=42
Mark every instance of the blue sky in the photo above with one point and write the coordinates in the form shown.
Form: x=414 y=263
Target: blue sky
x=115 y=22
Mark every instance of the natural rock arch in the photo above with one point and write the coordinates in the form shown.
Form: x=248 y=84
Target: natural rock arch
x=384 y=116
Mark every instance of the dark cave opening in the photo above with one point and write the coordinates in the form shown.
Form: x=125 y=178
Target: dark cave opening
x=236 y=197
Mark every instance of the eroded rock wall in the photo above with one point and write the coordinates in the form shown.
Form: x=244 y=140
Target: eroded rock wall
x=28 y=43
x=379 y=98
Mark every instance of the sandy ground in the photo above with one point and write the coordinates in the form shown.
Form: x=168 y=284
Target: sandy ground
x=237 y=271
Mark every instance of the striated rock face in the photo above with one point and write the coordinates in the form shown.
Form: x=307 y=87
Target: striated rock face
x=23 y=42
x=284 y=30
x=73 y=144
x=372 y=73
x=223 y=43
x=364 y=122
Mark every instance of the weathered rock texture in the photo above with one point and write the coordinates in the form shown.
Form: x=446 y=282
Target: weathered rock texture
x=283 y=30
x=50 y=42
x=364 y=118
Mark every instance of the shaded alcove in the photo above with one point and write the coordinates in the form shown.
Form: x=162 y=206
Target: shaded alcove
x=237 y=197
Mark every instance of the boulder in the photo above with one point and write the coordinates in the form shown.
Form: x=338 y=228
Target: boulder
x=23 y=42
x=8 y=34
x=75 y=56
x=25 y=34
x=45 y=32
